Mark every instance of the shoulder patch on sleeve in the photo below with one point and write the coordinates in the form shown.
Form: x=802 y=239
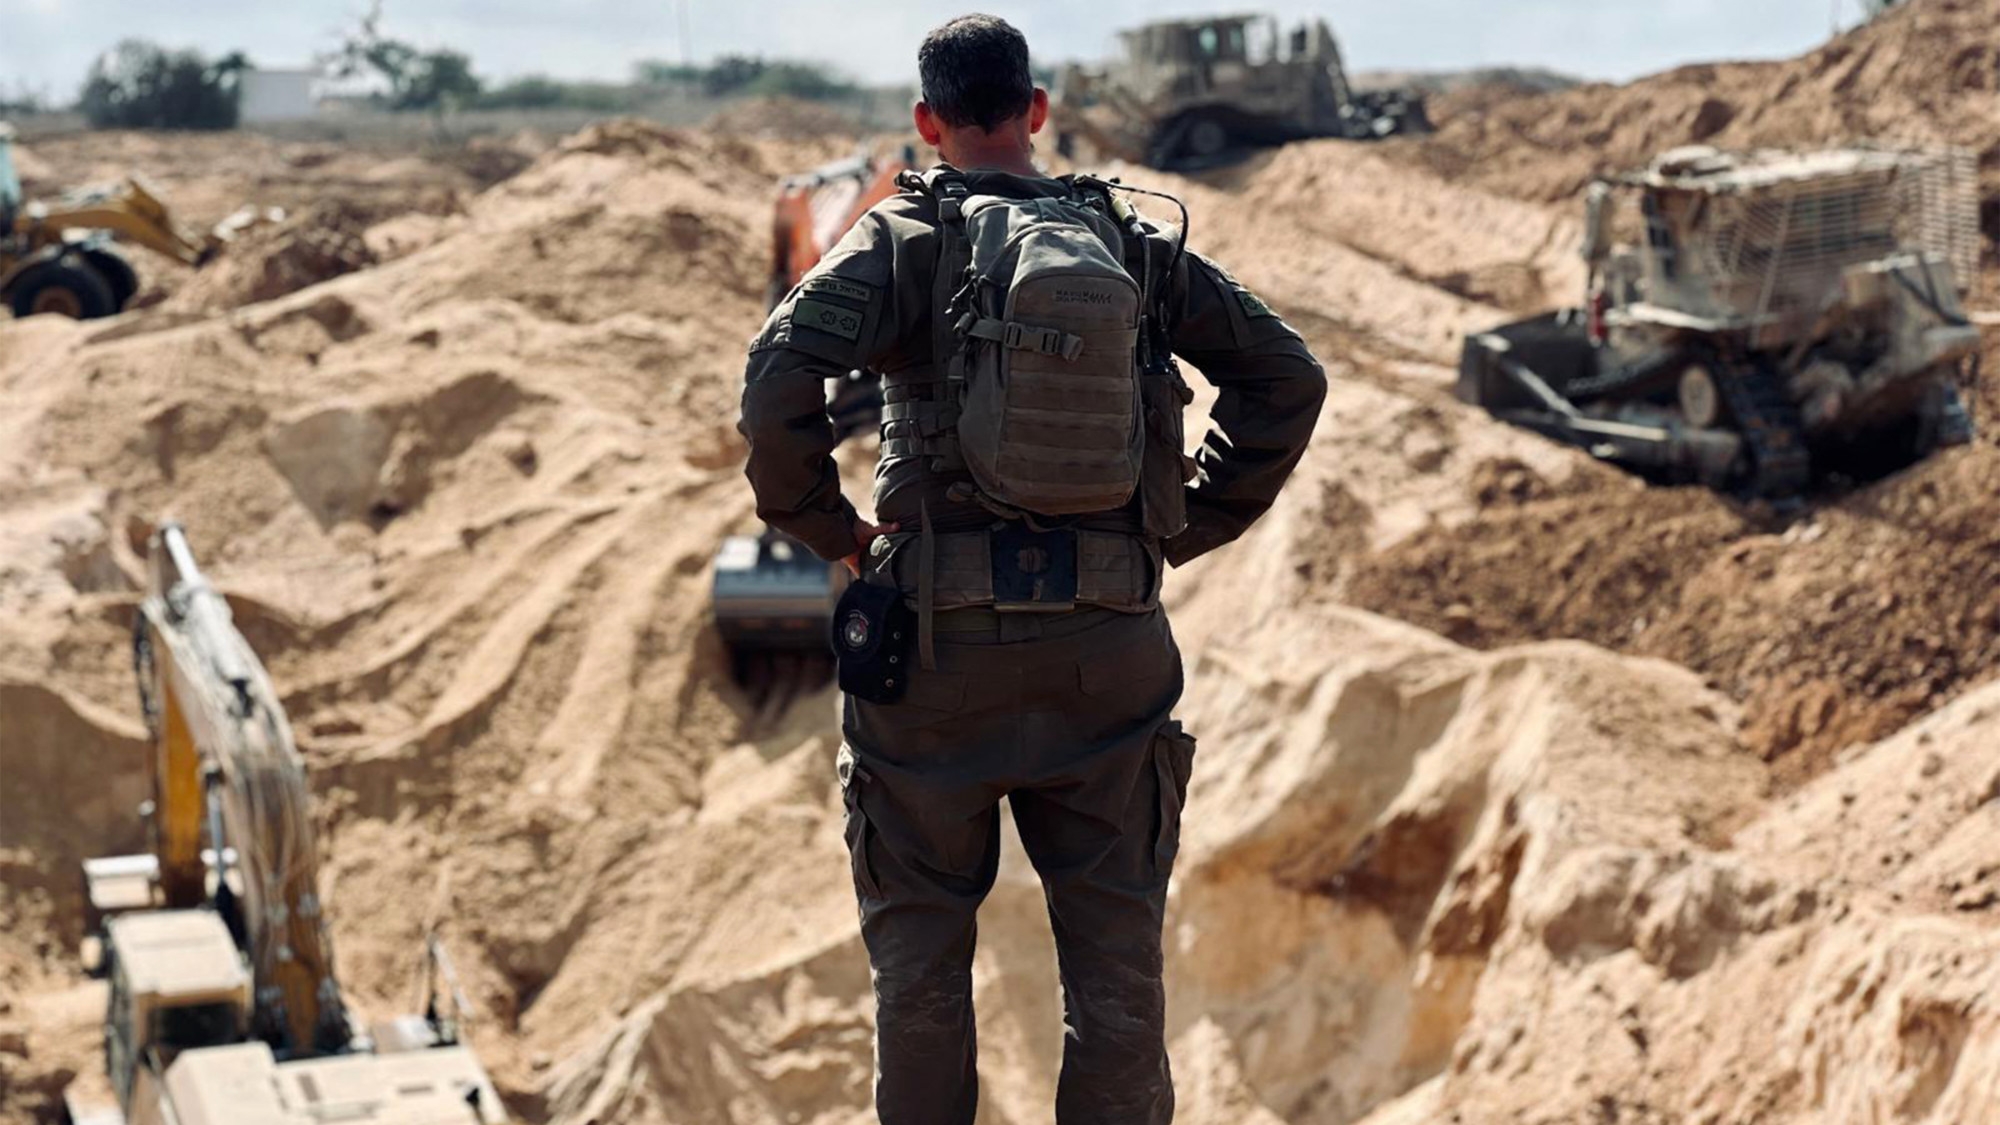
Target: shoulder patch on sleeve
x=840 y=288
x=826 y=316
x=1253 y=305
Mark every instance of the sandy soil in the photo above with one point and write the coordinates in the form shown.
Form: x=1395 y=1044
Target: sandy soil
x=1526 y=793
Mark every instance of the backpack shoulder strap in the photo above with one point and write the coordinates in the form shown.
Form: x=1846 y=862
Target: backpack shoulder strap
x=944 y=184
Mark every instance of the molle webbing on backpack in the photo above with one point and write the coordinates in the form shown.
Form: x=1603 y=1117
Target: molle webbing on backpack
x=1036 y=328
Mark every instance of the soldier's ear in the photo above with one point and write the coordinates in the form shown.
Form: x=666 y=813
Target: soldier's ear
x=928 y=125
x=1038 y=110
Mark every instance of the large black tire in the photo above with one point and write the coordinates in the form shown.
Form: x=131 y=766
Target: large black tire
x=113 y=268
x=67 y=286
x=1193 y=141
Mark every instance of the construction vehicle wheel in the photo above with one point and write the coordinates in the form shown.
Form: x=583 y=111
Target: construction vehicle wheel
x=1206 y=138
x=113 y=268
x=66 y=286
x=1700 y=400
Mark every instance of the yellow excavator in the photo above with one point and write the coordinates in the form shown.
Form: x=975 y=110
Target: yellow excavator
x=58 y=257
x=224 y=1007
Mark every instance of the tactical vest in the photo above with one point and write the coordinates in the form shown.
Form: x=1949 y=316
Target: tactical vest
x=1052 y=390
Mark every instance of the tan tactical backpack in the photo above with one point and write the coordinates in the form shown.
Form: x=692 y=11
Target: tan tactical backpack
x=1039 y=322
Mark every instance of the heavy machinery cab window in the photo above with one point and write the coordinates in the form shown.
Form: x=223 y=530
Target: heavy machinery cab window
x=1261 y=43
x=10 y=184
x=1220 y=44
x=195 y=1025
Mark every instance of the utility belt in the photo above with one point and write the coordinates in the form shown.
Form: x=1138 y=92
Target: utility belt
x=1013 y=568
x=1008 y=567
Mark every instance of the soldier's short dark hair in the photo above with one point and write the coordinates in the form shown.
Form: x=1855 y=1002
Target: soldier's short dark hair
x=975 y=72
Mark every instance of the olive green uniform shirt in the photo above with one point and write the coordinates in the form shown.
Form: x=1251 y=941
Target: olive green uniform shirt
x=868 y=306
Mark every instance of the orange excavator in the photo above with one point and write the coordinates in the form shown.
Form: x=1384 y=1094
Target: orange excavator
x=772 y=599
x=815 y=209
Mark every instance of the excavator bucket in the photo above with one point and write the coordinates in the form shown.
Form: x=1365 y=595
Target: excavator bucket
x=773 y=608
x=772 y=600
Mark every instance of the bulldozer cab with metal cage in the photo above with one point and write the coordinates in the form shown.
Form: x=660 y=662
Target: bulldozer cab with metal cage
x=1753 y=320
x=1764 y=243
x=1192 y=93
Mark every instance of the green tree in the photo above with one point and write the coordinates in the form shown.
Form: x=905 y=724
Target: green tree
x=538 y=92
x=730 y=74
x=437 y=80
x=741 y=74
x=801 y=80
x=433 y=80
x=654 y=72
x=140 y=85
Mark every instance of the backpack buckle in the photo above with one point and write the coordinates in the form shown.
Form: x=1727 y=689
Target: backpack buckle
x=950 y=199
x=1048 y=341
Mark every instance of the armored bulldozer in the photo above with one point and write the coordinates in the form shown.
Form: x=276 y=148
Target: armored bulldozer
x=1191 y=94
x=1754 y=321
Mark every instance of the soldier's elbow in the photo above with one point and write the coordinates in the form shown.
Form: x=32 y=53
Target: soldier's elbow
x=1312 y=386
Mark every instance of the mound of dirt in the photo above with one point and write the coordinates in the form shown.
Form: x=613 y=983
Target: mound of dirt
x=1925 y=72
x=333 y=193
x=782 y=118
x=1834 y=630
x=264 y=263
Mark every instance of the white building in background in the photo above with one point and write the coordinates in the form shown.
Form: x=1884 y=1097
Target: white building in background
x=277 y=95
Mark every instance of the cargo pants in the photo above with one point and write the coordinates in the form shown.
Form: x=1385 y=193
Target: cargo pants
x=1074 y=728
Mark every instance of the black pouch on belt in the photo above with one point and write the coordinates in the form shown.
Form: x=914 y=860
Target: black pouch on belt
x=1034 y=571
x=872 y=631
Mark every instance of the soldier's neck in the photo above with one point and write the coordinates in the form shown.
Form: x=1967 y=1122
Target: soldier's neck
x=997 y=155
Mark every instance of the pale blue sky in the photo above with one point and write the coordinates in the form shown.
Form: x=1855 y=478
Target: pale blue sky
x=48 y=44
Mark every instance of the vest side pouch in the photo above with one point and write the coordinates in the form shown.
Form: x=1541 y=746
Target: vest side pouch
x=1167 y=469
x=1117 y=571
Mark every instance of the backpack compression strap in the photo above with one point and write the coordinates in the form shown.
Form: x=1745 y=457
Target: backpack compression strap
x=935 y=421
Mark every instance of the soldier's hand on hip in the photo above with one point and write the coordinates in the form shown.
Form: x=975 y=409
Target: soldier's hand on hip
x=865 y=534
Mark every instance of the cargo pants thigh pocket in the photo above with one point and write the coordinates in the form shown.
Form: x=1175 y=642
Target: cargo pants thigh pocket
x=1173 y=763
x=854 y=778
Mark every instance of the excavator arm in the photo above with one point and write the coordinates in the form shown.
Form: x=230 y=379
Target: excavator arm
x=232 y=823
x=130 y=213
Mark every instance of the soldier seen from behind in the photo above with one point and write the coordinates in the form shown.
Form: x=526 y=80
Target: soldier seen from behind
x=1004 y=637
